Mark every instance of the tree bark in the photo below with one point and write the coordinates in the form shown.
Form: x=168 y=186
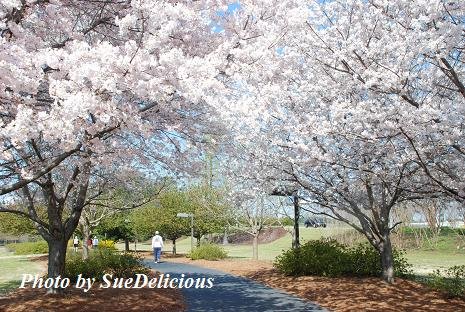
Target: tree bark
x=85 y=247
x=225 y=236
x=295 y=233
x=255 y=247
x=174 y=246
x=126 y=244
x=387 y=261
x=56 y=261
x=85 y=237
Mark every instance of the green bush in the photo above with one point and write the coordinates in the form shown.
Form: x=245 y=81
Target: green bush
x=318 y=257
x=450 y=281
x=104 y=261
x=208 y=252
x=364 y=260
x=330 y=258
x=26 y=248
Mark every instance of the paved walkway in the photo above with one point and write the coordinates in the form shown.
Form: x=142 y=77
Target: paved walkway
x=231 y=293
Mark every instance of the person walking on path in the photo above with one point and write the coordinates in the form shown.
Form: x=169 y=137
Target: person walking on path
x=157 y=245
x=75 y=243
x=95 y=242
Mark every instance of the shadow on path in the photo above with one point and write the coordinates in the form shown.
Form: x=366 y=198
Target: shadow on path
x=231 y=293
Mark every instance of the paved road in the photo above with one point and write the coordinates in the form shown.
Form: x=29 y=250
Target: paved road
x=231 y=293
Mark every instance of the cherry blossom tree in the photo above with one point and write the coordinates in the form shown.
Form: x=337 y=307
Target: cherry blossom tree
x=84 y=83
x=359 y=102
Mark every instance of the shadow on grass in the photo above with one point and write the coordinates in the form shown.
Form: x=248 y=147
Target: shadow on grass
x=6 y=287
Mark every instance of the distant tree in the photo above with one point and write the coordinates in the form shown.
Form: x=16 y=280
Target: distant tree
x=433 y=210
x=123 y=197
x=211 y=212
x=118 y=227
x=162 y=217
x=16 y=225
x=253 y=215
x=172 y=203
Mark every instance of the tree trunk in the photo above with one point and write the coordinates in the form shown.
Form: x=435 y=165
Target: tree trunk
x=255 y=247
x=85 y=237
x=225 y=236
x=295 y=232
x=174 y=246
x=85 y=247
x=126 y=244
x=56 y=261
x=387 y=261
x=198 y=241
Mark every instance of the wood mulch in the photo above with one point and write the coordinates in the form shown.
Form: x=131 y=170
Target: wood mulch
x=96 y=300
x=341 y=294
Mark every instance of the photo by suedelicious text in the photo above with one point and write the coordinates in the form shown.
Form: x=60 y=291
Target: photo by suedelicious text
x=108 y=281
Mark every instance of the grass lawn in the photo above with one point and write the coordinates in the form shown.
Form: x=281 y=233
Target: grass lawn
x=12 y=268
x=270 y=250
x=265 y=251
x=443 y=252
x=424 y=260
x=4 y=252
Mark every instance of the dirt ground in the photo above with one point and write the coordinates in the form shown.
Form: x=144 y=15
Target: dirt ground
x=341 y=294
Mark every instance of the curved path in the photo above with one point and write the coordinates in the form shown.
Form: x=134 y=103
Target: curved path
x=231 y=293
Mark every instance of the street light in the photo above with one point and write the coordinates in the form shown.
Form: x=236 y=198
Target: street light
x=189 y=215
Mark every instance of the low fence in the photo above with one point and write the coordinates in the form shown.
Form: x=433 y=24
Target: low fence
x=9 y=240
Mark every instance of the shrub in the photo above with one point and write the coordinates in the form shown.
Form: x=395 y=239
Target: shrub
x=109 y=244
x=208 y=252
x=450 y=281
x=330 y=258
x=364 y=260
x=319 y=257
x=104 y=261
x=39 y=247
x=401 y=265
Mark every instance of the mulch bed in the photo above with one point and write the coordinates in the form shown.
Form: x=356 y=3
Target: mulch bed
x=366 y=294
x=342 y=294
x=96 y=300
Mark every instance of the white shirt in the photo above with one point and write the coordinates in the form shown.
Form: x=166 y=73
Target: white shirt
x=157 y=241
x=76 y=241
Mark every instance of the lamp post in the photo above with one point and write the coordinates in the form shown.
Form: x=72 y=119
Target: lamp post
x=291 y=191
x=126 y=238
x=189 y=215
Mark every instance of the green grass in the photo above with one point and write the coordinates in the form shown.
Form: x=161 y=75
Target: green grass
x=12 y=268
x=444 y=251
x=265 y=251
x=4 y=252
x=426 y=261
x=443 y=254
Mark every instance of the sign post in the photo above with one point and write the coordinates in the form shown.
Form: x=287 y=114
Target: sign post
x=189 y=215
